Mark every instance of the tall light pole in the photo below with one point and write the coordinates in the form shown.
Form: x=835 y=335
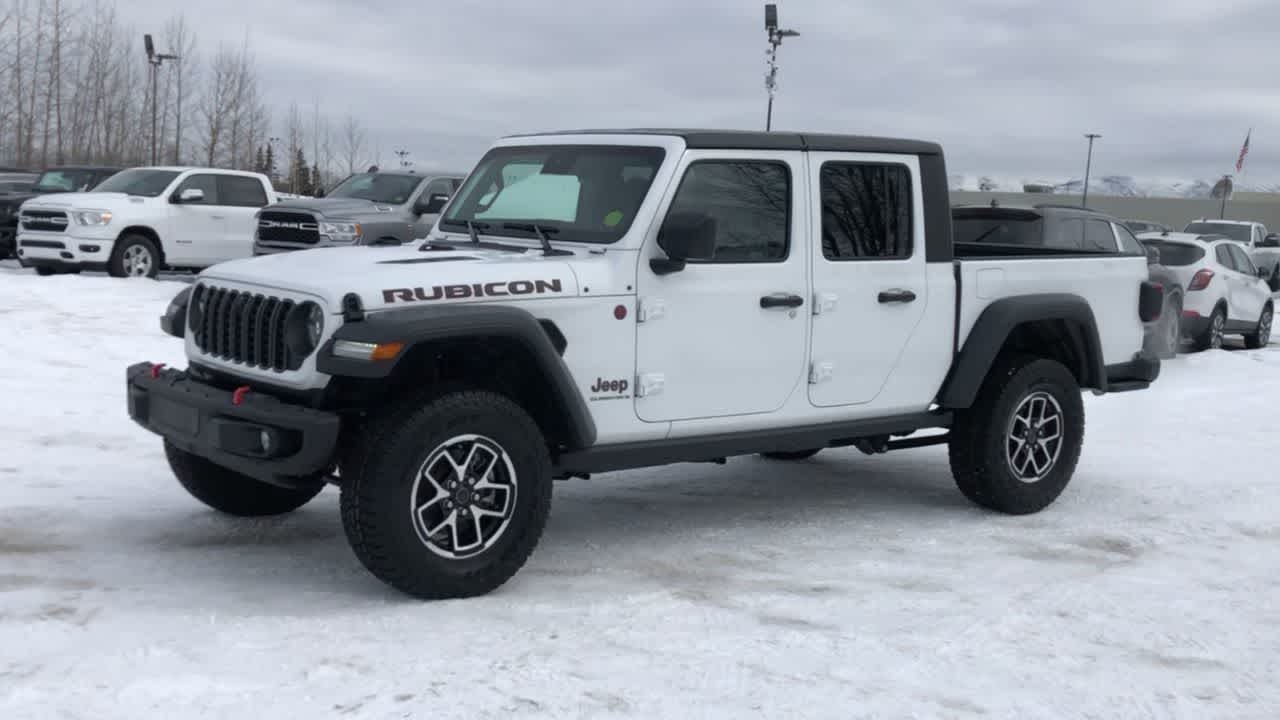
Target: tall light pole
x=1088 y=163
x=155 y=60
x=775 y=39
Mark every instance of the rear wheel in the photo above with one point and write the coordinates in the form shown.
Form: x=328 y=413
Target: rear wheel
x=230 y=492
x=1211 y=337
x=1170 y=328
x=1015 y=450
x=1260 y=337
x=791 y=454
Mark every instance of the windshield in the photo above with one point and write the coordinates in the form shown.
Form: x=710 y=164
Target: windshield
x=58 y=181
x=148 y=183
x=1239 y=233
x=389 y=189
x=580 y=193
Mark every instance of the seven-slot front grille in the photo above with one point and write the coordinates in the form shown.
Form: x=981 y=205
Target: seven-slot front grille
x=243 y=327
x=280 y=226
x=44 y=220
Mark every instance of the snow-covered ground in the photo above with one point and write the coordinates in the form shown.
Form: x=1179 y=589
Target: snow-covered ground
x=842 y=587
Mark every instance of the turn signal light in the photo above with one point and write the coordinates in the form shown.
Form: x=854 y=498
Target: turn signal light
x=366 y=351
x=1201 y=280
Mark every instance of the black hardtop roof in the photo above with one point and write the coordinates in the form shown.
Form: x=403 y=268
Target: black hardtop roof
x=756 y=140
x=1025 y=211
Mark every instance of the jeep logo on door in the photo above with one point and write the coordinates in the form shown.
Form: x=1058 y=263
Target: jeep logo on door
x=273 y=224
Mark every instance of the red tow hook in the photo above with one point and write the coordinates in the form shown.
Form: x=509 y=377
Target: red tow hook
x=237 y=397
x=155 y=370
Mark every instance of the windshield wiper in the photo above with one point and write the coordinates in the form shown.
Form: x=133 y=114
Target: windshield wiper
x=473 y=229
x=541 y=233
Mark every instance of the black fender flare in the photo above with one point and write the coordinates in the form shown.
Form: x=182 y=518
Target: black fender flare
x=413 y=326
x=994 y=326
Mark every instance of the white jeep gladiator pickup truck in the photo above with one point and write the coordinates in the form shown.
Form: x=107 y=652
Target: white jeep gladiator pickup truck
x=141 y=220
x=595 y=301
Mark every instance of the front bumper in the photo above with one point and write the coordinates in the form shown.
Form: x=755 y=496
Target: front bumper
x=228 y=427
x=63 y=249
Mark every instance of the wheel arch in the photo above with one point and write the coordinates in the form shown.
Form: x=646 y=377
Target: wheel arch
x=147 y=232
x=499 y=348
x=1057 y=326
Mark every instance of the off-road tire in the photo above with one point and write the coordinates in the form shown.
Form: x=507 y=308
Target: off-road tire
x=116 y=266
x=791 y=454
x=378 y=485
x=978 y=446
x=1262 y=335
x=1213 y=331
x=230 y=492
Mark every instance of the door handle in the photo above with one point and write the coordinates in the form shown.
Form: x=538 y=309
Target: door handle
x=896 y=296
x=781 y=300
x=218 y=217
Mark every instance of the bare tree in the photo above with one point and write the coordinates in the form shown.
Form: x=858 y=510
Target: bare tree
x=294 y=136
x=183 y=44
x=351 y=142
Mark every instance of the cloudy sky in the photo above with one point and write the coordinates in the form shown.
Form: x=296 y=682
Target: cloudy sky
x=1008 y=86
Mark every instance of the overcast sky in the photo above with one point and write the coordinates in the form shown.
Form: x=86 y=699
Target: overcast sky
x=1008 y=86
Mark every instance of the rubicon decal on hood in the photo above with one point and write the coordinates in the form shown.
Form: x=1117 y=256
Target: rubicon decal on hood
x=460 y=292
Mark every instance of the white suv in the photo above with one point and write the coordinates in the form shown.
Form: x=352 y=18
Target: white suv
x=1225 y=294
x=141 y=220
x=1262 y=247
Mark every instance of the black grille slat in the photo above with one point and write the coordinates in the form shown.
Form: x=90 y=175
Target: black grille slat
x=244 y=327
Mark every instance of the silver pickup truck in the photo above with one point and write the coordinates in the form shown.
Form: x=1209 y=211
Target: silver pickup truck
x=371 y=208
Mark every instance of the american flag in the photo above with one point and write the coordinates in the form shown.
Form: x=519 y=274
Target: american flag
x=1244 y=150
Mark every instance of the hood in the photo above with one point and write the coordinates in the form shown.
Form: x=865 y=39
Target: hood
x=394 y=278
x=88 y=200
x=338 y=207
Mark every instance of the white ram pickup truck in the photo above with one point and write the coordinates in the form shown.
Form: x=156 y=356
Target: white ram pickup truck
x=596 y=301
x=142 y=220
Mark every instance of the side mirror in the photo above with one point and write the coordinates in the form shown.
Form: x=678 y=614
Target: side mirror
x=1153 y=255
x=1262 y=273
x=431 y=204
x=1271 y=240
x=684 y=236
x=191 y=195
x=319 y=192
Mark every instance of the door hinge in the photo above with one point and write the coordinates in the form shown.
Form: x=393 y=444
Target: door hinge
x=821 y=372
x=824 y=303
x=650 y=309
x=650 y=384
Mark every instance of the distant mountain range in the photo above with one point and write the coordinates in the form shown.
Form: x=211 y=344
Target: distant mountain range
x=1114 y=185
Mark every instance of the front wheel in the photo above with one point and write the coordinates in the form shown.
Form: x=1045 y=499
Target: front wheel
x=1015 y=450
x=1262 y=335
x=447 y=497
x=230 y=492
x=134 y=256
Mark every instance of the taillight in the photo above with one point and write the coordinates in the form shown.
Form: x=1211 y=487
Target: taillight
x=1201 y=280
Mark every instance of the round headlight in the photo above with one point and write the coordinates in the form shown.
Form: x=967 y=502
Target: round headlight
x=315 y=324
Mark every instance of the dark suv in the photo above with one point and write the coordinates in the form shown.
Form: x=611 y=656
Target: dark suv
x=79 y=178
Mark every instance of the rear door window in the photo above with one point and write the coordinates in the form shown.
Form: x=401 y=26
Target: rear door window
x=240 y=191
x=1243 y=263
x=1224 y=257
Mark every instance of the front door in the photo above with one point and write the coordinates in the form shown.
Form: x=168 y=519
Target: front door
x=726 y=336
x=869 y=275
x=197 y=228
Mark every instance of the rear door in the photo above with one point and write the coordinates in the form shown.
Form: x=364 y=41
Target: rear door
x=240 y=198
x=197 y=229
x=726 y=336
x=869 y=277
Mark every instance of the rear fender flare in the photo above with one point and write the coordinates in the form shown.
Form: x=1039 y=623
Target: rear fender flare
x=997 y=322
